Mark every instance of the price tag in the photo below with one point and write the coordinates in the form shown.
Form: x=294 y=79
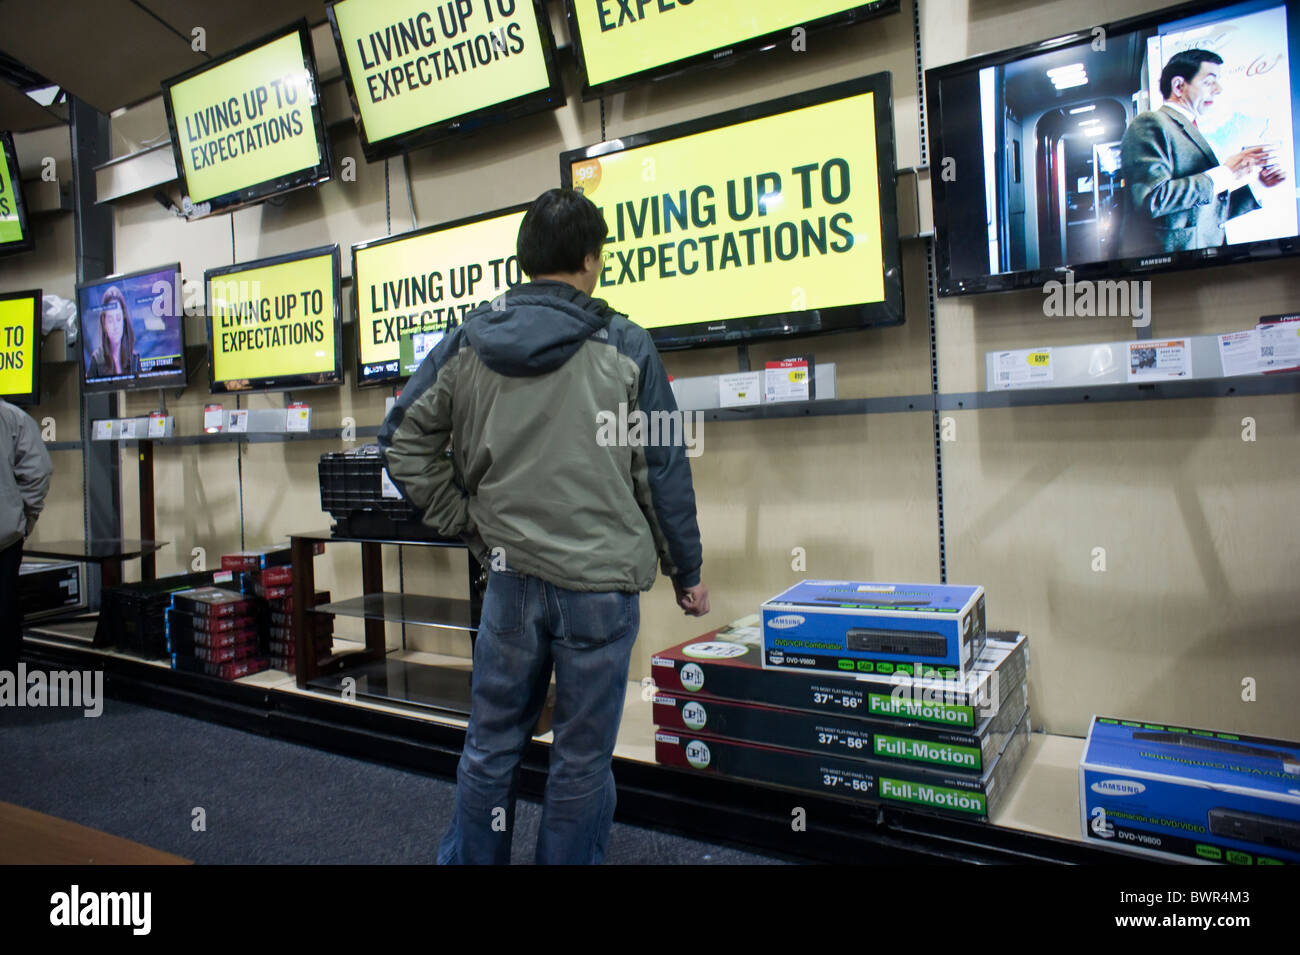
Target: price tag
x=741 y=388
x=1025 y=368
x=128 y=429
x=788 y=379
x=297 y=418
x=239 y=421
x=103 y=430
x=157 y=425
x=213 y=418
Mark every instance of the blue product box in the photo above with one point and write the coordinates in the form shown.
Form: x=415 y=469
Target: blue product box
x=1190 y=794
x=848 y=627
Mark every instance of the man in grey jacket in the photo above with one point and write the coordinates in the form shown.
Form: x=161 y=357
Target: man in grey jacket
x=24 y=482
x=1180 y=194
x=569 y=523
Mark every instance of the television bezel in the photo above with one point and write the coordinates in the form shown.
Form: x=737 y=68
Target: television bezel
x=133 y=385
x=362 y=381
x=260 y=191
x=1258 y=251
x=527 y=104
x=718 y=56
x=295 y=382
x=34 y=396
x=28 y=241
x=786 y=324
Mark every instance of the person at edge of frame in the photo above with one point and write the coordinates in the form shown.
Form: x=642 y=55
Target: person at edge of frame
x=24 y=482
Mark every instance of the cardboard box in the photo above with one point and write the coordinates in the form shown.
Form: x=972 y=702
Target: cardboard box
x=955 y=750
x=1181 y=793
x=211 y=602
x=725 y=664
x=844 y=626
x=870 y=781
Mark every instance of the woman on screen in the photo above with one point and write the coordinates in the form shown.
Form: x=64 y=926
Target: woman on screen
x=116 y=352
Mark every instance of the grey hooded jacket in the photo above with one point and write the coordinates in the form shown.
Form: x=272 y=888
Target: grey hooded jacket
x=523 y=386
x=25 y=476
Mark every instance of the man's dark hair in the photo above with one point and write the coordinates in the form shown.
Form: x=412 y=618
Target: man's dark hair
x=1185 y=64
x=560 y=229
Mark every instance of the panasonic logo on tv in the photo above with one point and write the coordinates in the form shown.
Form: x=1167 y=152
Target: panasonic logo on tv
x=785 y=621
x=1117 y=787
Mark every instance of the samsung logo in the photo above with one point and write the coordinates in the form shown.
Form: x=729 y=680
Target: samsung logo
x=1161 y=260
x=1117 y=787
x=786 y=621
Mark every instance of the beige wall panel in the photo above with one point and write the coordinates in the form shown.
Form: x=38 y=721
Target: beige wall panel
x=1200 y=544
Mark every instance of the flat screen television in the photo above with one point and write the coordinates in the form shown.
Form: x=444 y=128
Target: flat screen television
x=419 y=72
x=273 y=324
x=427 y=281
x=20 y=347
x=622 y=43
x=15 y=236
x=249 y=124
x=771 y=220
x=1068 y=155
x=132 y=331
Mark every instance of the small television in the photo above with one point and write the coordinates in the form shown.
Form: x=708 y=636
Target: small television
x=20 y=347
x=132 y=331
x=778 y=219
x=427 y=281
x=249 y=124
x=1066 y=155
x=621 y=44
x=417 y=72
x=15 y=236
x=273 y=324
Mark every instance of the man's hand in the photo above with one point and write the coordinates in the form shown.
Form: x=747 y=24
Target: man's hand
x=1239 y=164
x=1272 y=175
x=694 y=601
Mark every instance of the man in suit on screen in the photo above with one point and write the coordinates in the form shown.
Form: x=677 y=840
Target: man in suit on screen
x=1179 y=194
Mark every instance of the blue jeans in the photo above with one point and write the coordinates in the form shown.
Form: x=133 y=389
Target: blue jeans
x=529 y=626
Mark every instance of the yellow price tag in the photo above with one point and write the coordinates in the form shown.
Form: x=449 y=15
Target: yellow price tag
x=1039 y=359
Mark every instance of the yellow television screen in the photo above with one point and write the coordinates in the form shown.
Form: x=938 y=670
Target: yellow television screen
x=623 y=42
x=14 y=234
x=776 y=219
x=20 y=346
x=421 y=70
x=273 y=324
x=248 y=125
x=428 y=281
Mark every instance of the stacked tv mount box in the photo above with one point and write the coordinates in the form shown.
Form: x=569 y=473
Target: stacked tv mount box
x=904 y=736
x=356 y=490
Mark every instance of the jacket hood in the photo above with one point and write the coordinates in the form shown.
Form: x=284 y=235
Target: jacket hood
x=540 y=327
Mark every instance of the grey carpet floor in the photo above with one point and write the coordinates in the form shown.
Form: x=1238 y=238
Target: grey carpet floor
x=141 y=773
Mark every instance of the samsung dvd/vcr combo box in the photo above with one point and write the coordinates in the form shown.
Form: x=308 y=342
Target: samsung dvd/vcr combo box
x=846 y=626
x=1182 y=793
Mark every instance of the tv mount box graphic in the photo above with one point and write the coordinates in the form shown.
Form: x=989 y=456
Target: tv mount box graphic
x=1178 y=792
x=846 y=626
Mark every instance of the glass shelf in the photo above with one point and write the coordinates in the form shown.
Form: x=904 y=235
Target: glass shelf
x=405 y=608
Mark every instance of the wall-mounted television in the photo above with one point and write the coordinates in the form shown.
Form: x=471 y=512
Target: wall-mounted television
x=132 y=331
x=15 y=236
x=418 y=72
x=249 y=124
x=620 y=44
x=770 y=220
x=1099 y=152
x=427 y=281
x=20 y=347
x=273 y=324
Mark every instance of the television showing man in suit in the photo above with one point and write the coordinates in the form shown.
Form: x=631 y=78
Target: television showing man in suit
x=1179 y=193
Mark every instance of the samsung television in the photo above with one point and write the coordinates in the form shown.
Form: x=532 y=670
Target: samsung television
x=132 y=331
x=249 y=124
x=273 y=324
x=777 y=219
x=20 y=347
x=622 y=43
x=419 y=72
x=1110 y=151
x=426 y=282
x=15 y=235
